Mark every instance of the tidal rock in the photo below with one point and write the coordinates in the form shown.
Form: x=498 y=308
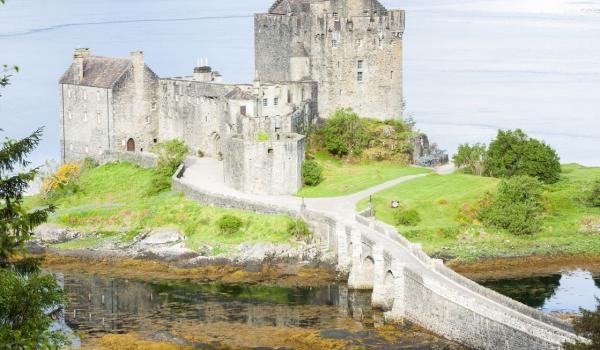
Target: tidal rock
x=163 y=236
x=52 y=234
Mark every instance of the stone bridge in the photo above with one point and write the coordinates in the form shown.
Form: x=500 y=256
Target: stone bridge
x=407 y=284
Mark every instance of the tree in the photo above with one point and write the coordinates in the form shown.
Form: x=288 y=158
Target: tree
x=345 y=133
x=587 y=326
x=593 y=195
x=471 y=158
x=517 y=207
x=513 y=153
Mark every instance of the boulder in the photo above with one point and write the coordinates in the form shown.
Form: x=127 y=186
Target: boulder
x=163 y=236
x=52 y=234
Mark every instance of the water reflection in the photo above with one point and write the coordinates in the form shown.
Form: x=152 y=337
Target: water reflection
x=566 y=292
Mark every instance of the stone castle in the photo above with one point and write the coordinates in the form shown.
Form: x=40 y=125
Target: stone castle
x=312 y=57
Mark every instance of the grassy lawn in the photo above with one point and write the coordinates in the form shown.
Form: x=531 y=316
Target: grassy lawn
x=566 y=228
x=342 y=178
x=111 y=203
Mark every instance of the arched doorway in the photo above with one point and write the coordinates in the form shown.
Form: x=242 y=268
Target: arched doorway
x=130 y=145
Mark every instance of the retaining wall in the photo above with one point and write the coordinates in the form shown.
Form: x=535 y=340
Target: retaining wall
x=142 y=159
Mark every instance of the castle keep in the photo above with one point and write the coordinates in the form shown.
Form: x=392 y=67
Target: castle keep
x=312 y=57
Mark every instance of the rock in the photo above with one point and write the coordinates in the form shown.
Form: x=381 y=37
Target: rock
x=163 y=236
x=52 y=234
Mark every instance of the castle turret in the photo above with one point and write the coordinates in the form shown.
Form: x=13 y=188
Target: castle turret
x=299 y=63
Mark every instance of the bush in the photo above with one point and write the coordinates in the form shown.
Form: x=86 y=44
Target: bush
x=312 y=173
x=517 y=207
x=62 y=182
x=593 y=196
x=345 y=133
x=298 y=228
x=588 y=326
x=471 y=158
x=513 y=153
x=89 y=163
x=263 y=137
x=407 y=217
x=229 y=224
x=170 y=156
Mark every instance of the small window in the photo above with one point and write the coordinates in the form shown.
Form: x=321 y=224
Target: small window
x=276 y=101
x=243 y=110
x=71 y=147
x=147 y=119
x=336 y=16
x=334 y=43
x=70 y=93
x=360 y=64
x=85 y=116
x=70 y=115
x=176 y=98
x=153 y=106
x=98 y=117
x=87 y=150
x=359 y=77
x=84 y=95
x=155 y=140
x=358 y=42
x=265 y=102
x=391 y=74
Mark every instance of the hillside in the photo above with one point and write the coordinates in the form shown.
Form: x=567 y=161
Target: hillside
x=569 y=227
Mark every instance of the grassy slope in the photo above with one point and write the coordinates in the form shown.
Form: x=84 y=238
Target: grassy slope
x=343 y=179
x=111 y=201
x=442 y=234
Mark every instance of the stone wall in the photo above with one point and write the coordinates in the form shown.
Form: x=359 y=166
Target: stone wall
x=142 y=159
x=264 y=166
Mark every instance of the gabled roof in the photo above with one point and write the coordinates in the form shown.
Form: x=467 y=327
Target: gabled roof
x=239 y=94
x=101 y=72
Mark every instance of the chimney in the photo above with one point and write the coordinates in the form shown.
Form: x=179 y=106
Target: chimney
x=202 y=71
x=79 y=59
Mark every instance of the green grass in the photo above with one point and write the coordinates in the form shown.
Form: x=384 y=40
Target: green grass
x=111 y=199
x=440 y=198
x=343 y=178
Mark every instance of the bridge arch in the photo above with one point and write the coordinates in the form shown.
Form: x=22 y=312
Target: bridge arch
x=389 y=284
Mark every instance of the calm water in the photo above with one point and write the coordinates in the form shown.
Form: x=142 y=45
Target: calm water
x=565 y=293
x=471 y=66
x=231 y=315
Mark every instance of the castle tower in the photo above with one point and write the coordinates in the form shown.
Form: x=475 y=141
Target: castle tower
x=353 y=49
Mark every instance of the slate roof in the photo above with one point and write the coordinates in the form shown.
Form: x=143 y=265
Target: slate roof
x=239 y=94
x=101 y=72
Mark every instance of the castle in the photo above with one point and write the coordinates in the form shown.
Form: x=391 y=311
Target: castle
x=312 y=57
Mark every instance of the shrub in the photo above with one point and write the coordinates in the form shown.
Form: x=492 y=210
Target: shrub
x=88 y=163
x=407 y=217
x=513 y=153
x=588 y=326
x=298 y=228
x=229 y=224
x=517 y=207
x=62 y=182
x=471 y=158
x=170 y=155
x=312 y=173
x=593 y=195
x=263 y=137
x=345 y=133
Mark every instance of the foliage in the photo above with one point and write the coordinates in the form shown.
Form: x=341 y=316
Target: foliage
x=312 y=173
x=170 y=156
x=345 y=133
x=28 y=307
x=263 y=137
x=229 y=224
x=514 y=153
x=88 y=163
x=587 y=326
x=593 y=195
x=407 y=217
x=16 y=222
x=62 y=182
x=471 y=158
x=298 y=228
x=518 y=206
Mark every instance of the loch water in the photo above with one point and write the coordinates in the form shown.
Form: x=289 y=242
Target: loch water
x=243 y=314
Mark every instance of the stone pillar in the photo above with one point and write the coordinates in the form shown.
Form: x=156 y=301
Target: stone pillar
x=344 y=259
x=355 y=277
x=379 y=298
x=398 y=311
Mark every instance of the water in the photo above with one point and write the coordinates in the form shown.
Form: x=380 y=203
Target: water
x=564 y=293
x=471 y=66
x=238 y=315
